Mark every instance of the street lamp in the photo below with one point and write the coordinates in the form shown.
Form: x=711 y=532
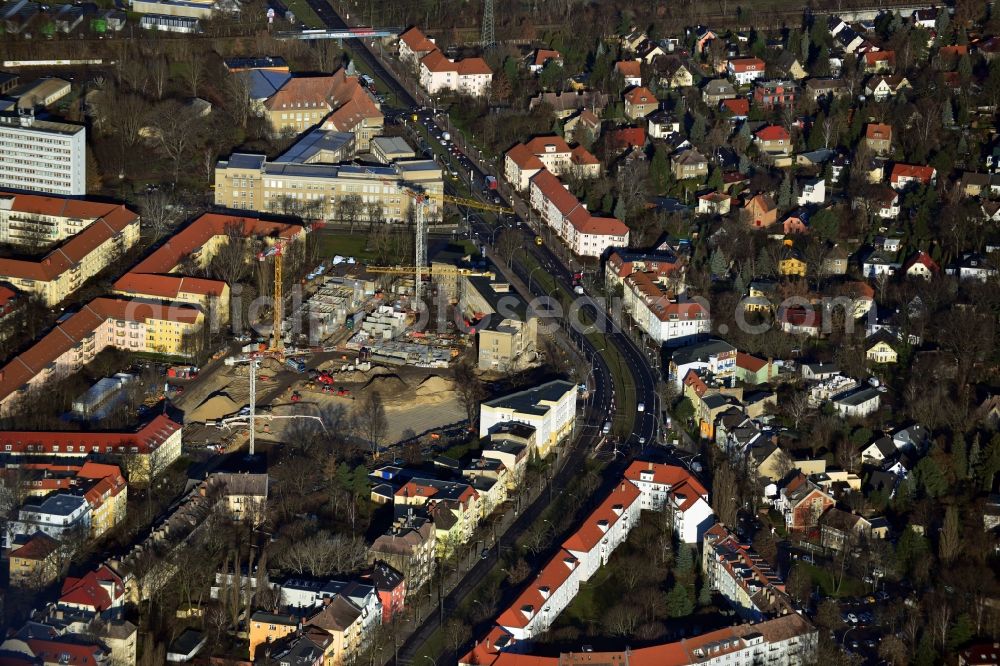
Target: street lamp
x=529 y=278
x=432 y=660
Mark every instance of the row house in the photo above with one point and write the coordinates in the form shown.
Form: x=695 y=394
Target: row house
x=525 y=160
x=468 y=76
x=153 y=447
x=585 y=234
x=674 y=489
x=663 y=317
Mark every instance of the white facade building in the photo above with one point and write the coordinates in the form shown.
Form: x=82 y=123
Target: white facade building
x=42 y=155
x=549 y=408
x=665 y=320
x=56 y=515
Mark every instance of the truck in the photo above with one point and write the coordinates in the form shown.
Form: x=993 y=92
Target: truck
x=491 y=182
x=295 y=364
x=182 y=372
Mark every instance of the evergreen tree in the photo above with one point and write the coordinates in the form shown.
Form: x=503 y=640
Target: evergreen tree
x=620 y=211
x=965 y=68
x=804 y=48
x=785 y=193
x=947 y=115
x=718 y=263
x=960 y=459
x=607 y=201
x=974 y=458
x=698 y=129
x=705 y=596
x=715 y=179
x=739 y=284
x=744 y=165
x=659 y=169
x=685 y=562
x=816 y=140
x=941 y=25
x=679 y=601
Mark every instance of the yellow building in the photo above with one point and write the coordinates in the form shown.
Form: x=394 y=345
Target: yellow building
x=269 y=627
x=106 y=233
x=792 y=265
x=881 y=351
x=36 y=563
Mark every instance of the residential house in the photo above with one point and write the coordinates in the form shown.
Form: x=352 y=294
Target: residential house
x=819 y=371
x=881 y=348
x=673 y=73
x=661 y=124
x=879 y=62
x=791 y=263
x=95 y=593
x=640 y=102
x=585 y=234
x=703 y=37
x=878 y=137
x=813 y=192
x=835 y=261
x=566 y=104
x=796 y=222
x=649 y=51
x=753 y=370
x=802 y=503
x=822 y=89
x=840 y=530
x=630 y=71
x=921 y=265
x=881 y=88
x=542 y=57
x=800 y=320
x=926 y=17
x=583 y=128
x=664 y=265
x=688 y=164
x=34 y=563
x=714 y=203
x=774 y=94
x=717 y=90
x=788 y=64
x=973 y=266
x=744 y=71
x=857 y=403
x=906 y=175
x=715 y=356
x=734 y=570
x=974 y=184
x=885 y=202
x=760 y=211
x=774 y=140
x=737 y=109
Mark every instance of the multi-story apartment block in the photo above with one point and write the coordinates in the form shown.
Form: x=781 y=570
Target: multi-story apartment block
x=742 y=576
x=35 y=563
x=413 y=46
x=57 y=515
x=621 y=263
x=250 y=182
x=662 y=316
x=469 y=76
x=666 y=485
x=105 y=233
x=154 y=447
x=585 y=234
x=102 y=485
x=408 y=547
x=549 y=408
x=454 y=508
x=548 y=152
x=42 y=155
x=507 y=330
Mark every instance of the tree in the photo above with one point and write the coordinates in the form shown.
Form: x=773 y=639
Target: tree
x=370 y=420
x=508 y=243
x=470 y=389
x=724 y=498
x=950 y=544
x=785 y=193
x=680 y=602
x=232 y=261
x=350 y=209
x=177 y=130
x=659 y=169
x=719 y=264
x=622 y=619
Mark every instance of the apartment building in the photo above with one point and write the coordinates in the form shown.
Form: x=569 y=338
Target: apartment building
x=35 y=563
x=101 y=485
x=734 y=570
x=506 y=329
x=129 y=325
x=549 y=408
x=666 y=485
x=585 y=234
x=105 y=232
x=454 y=507
x=409 y=547
x=413 y=46
x=251 y=182
x=337 y=102
x=58 y=515
x=745 y=70
x=153 y=447
x=42 y=155
x=548 y=152
x=664 y=265
x=661 y=315
x=468 y=76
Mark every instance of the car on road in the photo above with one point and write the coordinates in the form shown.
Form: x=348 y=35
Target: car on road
x=641 y=407
x=852 y=618
x=642 y=441
x=485 y=554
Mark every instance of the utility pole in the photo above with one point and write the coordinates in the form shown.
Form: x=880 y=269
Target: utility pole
x=489 y=36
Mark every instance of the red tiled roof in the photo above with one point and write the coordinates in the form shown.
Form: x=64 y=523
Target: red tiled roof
x=629 y=68
x=878 y=132
x=167 y=286
x=417 y=41
x=799 y=315
x=89 y=591
x=911 y=171
x=146 y=439
x=583 y=156
x=38 y=547
x=435 y=61
x=873 y=57
x=667 y=475
x=554 y=191
x=540 y=145
x=627 y=137
x=603 y=518
x=751 y=363
x=522 y=156
x=354 y=104
x=470 y=66
x=738 y=107
x=772 y=133
x=65 y=652
x=641 y=95
x=303 y=92
x=542 y=56
x=740 y=65
x=956 y=50
x=921 y=258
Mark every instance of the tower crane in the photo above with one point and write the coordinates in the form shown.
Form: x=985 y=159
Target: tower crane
x=277 y=250
x=421 y=199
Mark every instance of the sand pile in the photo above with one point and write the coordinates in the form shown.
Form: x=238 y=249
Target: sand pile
x=215 y=406
x=390 y=384
x=434 y=385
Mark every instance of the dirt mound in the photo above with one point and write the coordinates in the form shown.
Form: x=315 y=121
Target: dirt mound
x=386 y=384
x=215 y=406
x=434 y=385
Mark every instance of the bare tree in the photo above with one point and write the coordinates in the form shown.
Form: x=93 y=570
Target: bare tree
x=369 y=420
x=507 y=244
x=159 y=73
x=470 y=389
x=159 y=211
x=177 y=133
x=194 y=72
x=349 y=209
x=232 y=262
x=238 y=101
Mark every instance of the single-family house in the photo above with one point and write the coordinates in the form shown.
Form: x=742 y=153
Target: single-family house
x=760 y=211
x=921 y=265
x=879 y=62
x=688 y=164
x=717 y=90
x=774 y=140
x=881 y=87
x=630 y=71
x=905 y=175
x=813 y=191
x=662 y=124
x=881 y=348
x=737 y=109
x=802 y=503
x=789 y=65
x=774 y=94
x=640 y=102
x=714 y=203
x=744 y=71
x=878 y=137
x=542 y=57
x=858 y=402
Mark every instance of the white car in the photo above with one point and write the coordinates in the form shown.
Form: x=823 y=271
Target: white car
x=641 y=406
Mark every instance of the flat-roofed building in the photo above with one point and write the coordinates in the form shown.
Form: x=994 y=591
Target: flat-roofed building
x=42 y=155
x=389 y=149
x=507 y=329
x=550 y=408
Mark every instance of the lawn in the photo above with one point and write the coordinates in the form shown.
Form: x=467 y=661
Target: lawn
x=345 y=245
x=826 y=581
